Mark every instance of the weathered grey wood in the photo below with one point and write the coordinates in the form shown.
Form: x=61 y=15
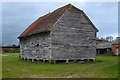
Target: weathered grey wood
x=36 y=46
x=71 y=38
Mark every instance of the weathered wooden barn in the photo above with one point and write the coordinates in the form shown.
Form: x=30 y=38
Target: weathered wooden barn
x=64 y=34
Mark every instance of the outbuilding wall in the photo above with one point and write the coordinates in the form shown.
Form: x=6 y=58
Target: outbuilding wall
x=114 y=46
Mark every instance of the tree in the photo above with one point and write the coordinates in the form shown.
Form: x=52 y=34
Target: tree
x=105 y=39
x=109 y=39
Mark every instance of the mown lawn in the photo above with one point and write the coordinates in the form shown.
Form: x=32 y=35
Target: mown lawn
x=13 y=67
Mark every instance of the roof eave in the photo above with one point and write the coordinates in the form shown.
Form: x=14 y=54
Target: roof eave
x=34 y=33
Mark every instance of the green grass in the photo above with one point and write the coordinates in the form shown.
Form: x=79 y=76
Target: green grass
x=13 y=67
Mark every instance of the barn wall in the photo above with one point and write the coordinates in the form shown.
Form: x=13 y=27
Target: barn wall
x=36 y=46
x=73 y=37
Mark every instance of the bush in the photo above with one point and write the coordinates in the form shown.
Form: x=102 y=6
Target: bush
x=52 y=61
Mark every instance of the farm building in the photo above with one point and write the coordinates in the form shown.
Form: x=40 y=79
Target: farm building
x=10 y=49
x=116 y=46
x=64 y=34
x=103 y=47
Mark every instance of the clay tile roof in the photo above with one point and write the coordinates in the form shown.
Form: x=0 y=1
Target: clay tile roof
x=46 y=22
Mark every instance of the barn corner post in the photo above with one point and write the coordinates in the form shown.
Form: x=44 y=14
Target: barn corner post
x=20 y=54
x=94 y=59
x=52 y=60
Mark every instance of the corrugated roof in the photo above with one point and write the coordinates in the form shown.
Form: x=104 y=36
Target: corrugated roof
x=46 y=22
x=116 y=41
x=104 y=45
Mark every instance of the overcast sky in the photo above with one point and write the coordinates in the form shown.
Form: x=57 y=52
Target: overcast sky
x=17 y=16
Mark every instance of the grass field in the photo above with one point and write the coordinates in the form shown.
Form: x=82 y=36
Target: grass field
x=13 y=67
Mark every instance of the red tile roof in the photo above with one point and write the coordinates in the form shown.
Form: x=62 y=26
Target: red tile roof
x=46 y=22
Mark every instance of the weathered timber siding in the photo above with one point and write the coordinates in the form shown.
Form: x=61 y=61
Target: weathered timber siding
x=37 y=46
x=73 y=37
